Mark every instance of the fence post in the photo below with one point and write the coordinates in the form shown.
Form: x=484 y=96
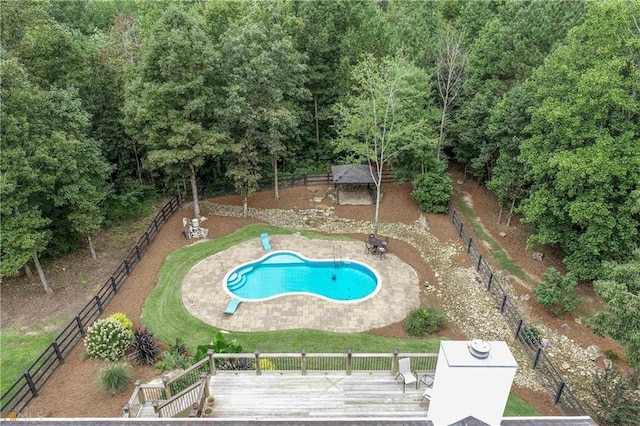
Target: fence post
x=256 y=353
x=155 y=405
x=56 y=348
x=32 y=386
x=141 y=396
x=146 y=237
x=559 y=393
x=479 y=262
x=537 y=358
x=97 y=299
x=113 y=284
x=394 y=362
x=490 y=280
x=155 y=223
x=125 y=410
x=179 y=198
x=469 y=245
x=519 y=328
x=204 y=383
x=303 y=362
x=461 y=226
x=126 y=267
x=138 y=252
x=212 y=362
x=504 y=302
x=349 y=361
x=80 y=326
x=167 y=388
x=453 y=214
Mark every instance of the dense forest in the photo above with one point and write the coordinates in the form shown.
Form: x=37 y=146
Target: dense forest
x=106 y=103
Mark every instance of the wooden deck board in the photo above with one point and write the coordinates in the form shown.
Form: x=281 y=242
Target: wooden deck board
x=291 y=395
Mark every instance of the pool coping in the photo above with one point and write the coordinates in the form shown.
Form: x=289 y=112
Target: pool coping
x=204 y=297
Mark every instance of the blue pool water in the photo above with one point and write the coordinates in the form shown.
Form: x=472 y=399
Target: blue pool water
x=286 y=272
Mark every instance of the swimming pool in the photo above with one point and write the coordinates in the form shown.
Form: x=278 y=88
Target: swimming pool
x=286 y=272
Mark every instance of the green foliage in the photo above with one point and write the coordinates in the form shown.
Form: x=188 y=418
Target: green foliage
x=616 y=398
x=114 y=377
x=619 y=287
x=171 y=361
x=220 y=345
x=532 y=335
x=432 y=189
x=144 y=347
x=424 y=321
x=557 y=292
x=107 y=339
x=612 y=355
x=123 y=320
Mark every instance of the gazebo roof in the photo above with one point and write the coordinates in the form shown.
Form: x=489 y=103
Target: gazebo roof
x=351 y=173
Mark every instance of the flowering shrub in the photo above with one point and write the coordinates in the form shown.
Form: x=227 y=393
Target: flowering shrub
x=107 y=339
x=123 y=319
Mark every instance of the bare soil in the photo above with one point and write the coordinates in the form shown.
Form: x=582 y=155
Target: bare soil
x=71 y=392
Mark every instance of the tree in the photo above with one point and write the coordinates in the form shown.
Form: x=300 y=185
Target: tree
x=245 y=171
x=615 y=397
x=451 y=64
x=381 y=115
x=619 y=287
x=264 y=84
x=584 y=120
x=557 y=292
x=169 y=107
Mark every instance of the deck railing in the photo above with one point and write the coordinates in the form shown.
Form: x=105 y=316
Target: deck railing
x=18 y=395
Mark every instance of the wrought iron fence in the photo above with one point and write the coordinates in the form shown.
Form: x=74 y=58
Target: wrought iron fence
x=551 y=378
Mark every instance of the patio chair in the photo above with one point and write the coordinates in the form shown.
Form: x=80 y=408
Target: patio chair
x=265 y=242
x=406 y=373
x=426 y=396
x=231 y=307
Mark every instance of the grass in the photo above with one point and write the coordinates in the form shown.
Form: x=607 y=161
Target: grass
x=516 y=407
x=18 y=353
x=496 y=250
x=165 y=301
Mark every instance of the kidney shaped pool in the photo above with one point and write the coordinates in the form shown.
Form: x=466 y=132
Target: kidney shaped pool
x=286 y=272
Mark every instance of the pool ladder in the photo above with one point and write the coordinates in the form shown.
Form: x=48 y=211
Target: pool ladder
x=337 y=256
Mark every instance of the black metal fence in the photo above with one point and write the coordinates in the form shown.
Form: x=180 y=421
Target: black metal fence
x=550 y=376
x=16 y=398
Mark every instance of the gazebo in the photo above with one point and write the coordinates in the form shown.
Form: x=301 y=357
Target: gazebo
x=350 y=174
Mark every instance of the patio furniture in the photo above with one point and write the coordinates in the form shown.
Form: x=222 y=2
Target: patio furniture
x=427 y=379
x=369 y=248
x=406 y=373
x=382 y=252
x=231 y=307
x=426 y=396
x=265 y=242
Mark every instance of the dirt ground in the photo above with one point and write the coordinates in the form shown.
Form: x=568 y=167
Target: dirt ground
x=71 y=391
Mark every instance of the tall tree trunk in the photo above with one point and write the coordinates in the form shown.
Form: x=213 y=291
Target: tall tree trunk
x=375 y=218
x=194 y=189
x=441 y=137
x=93 y=251
x=245 y=210
x=315 y=106
x=27 y=270
x=513 y=204
x=138 y=168
x=500 y=214
x=43 y=279
x=275 y=173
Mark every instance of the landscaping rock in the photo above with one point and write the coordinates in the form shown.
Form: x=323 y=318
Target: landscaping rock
x=593 y=352
x=502 y=234
x=537 y=256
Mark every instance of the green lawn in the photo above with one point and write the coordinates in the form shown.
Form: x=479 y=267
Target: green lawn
x=17 y=353
x=165 y=302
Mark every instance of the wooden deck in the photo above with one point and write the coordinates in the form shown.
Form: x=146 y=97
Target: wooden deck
x=315 y=396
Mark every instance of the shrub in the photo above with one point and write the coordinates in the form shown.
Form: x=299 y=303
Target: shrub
x=424 y=321
x=114 y=377
x=611 y=354
x=616 y=398
x=432 y=189
x=145 y=347
x=171 y=361
x=122 y=319
x=531 y=334
x=557 y=292
x=107 y=339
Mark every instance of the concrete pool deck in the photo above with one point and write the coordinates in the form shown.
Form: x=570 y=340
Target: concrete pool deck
x=204 y=297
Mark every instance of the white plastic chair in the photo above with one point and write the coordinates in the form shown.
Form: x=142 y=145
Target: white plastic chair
x=406 y=373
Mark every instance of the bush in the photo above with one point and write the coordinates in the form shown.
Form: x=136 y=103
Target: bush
x=122 y=319
x=114 y=377
x=557 y=292
x=611 y=354
x=616 y=398
x=424 y=321
x=107 y=339
x=432 y=189
x=531 y=334
x=145 y=347
x=172 y=361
